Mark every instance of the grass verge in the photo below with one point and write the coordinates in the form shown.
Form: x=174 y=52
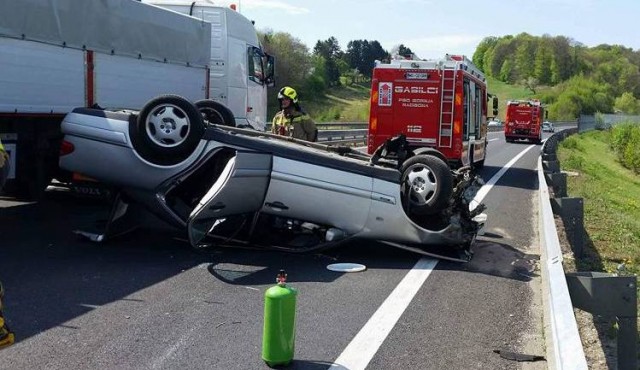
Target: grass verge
x=611 y=196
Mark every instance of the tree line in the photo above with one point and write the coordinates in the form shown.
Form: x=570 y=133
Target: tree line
x=326 y=65
x=569 y=77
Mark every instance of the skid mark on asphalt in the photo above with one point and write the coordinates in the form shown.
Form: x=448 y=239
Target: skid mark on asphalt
x=366 y=343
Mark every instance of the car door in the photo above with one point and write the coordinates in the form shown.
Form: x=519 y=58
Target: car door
x=312 y=192
x=240 y=189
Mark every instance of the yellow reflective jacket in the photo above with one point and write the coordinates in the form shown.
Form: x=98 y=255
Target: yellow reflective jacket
x=295 y=124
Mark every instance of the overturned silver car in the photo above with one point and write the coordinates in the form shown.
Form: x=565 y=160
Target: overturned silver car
x=232 y=186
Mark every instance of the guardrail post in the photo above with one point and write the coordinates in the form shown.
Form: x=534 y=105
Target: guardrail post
x=551 y=146
x=553 y=166
x=559 y=181
x=609 y=295
x=549 y=157
x=571 y=210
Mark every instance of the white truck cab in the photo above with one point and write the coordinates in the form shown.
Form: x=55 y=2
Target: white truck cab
x=239 y=71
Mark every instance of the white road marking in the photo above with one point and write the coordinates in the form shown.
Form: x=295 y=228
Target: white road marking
x=366 y=343
x=493 y=139
x=159 y=362
x=484 y=190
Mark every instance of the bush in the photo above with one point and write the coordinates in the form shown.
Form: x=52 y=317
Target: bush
x=571 y=142
x=625 y=141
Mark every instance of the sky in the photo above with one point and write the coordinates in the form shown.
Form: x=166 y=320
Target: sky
x=432 y=28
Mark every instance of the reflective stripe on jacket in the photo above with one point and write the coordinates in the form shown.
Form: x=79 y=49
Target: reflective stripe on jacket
x=297 y=125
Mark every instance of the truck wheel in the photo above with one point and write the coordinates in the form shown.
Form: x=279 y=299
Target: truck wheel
x=427 y=185
x=215 y=113
x=167 y=130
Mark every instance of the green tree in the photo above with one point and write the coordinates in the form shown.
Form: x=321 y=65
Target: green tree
x=562 y=52
x=542 y=70
x=530 y=83
x=523 y=60
x=581 y=95
x=330 y=51
x=293 y=62
x=506 y=71
x=496 y=56
x=488 y=43
x=627 y=103
x=404 y=51
x=362 y=54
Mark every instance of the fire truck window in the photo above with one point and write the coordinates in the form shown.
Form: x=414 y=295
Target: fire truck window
x=467 y=116
x=473 y=122
x=478 y=108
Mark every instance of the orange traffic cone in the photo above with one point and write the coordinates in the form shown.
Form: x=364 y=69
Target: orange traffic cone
x=6 y=336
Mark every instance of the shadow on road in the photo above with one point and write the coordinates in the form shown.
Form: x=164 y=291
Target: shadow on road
x=518 y=177
x=52 y=276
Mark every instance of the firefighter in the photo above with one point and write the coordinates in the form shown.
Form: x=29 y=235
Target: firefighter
x=291 y=120
x=6 y=336
x=4 y=165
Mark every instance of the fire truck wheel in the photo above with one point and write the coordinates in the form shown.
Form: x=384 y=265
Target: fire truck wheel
x=167 y=130
x=427 y=184
x=215 y=113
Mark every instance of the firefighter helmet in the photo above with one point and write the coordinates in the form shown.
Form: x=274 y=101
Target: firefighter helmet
x=289 y=93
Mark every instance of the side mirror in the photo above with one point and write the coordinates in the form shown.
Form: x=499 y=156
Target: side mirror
x=270 y=79
x=495 y=106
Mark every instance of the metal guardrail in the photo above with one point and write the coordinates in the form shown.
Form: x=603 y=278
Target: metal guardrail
x=356 y=132
x=566 y=349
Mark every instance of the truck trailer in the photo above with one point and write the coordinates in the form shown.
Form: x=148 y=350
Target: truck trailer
x=57 y=55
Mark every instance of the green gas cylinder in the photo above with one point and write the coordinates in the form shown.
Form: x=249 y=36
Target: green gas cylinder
x=279 y=323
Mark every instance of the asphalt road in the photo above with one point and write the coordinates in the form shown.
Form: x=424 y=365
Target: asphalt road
x=149 y=301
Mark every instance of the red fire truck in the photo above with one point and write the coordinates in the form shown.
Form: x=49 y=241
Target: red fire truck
x=524 y=120
x=439 y=105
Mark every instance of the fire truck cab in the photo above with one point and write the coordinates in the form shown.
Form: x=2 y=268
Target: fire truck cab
x=439 y=105
x=523 y=120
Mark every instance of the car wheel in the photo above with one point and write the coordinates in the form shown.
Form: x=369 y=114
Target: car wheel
x=167 y=130
x=215 y=113
x=427 y=184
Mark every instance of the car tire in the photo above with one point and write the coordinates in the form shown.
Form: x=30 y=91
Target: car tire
x=427 y=185
x=167 y=130
x=215 y=113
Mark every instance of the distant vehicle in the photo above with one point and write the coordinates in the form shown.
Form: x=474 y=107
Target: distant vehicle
x=524 y=121
x=547 y=127
x=494 y=123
